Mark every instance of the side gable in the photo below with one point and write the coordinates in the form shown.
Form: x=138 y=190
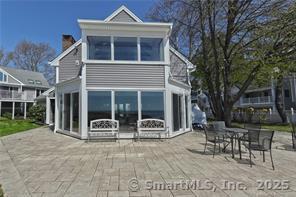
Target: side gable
x=123 y=14
x=69 y=65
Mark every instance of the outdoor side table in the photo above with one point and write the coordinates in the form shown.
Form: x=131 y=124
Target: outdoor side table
x=236 y=133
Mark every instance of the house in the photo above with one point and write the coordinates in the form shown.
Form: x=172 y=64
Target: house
x=18 y=90
x=264 y=97
x=121 y=69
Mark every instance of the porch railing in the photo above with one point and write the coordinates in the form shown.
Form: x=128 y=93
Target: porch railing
x=257 y=100
x=15 y=95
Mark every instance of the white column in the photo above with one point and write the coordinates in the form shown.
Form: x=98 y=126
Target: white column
x=183 y=111
x=168 y=103
x=57 y=111
x=113 y=104
x=47 y=118
x=139 y=106
x=84 y=112
x=13 y=109
x=25 y=110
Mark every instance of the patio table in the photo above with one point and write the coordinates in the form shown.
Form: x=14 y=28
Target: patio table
x=236 y=133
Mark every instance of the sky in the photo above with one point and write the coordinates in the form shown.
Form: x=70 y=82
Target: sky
x=46 y=20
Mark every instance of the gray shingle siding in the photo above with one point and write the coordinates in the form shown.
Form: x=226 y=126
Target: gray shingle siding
x=123 y=17
x=67 y=66
x=178 y=68
x=125 y=76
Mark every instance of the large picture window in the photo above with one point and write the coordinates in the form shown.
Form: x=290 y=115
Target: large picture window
x=151 y=49
x=99 y=47
x=152 y=105
x=125 y=48
x=126 y=110
x=99 y=105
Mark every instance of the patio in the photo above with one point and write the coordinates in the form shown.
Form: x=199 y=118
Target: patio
x=40 y=163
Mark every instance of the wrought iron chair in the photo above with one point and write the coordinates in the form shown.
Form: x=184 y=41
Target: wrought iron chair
x=214 y=136
x=260 y=140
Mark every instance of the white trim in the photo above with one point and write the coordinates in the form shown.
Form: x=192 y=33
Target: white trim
x=122 y=89
x=126 y=10
x=8 y=74
x=55 y=61
x=126 y=62
x=68 y=81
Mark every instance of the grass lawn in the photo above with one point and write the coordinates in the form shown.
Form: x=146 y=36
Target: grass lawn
x=273 y=127
x=8 y=127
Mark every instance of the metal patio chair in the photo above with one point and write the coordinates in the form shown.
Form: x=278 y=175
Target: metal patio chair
x=260 y=140
x=214 y=136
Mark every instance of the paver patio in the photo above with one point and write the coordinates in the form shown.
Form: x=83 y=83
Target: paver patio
x=40 y=163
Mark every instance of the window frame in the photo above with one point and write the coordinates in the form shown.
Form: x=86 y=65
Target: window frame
x=4 y=77
x=137 y=61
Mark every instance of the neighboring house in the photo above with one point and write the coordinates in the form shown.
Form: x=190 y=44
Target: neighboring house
x=264 y=97
x=18 y=90
x=122 y=69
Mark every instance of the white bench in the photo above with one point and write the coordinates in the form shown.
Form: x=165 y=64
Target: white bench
x=104 y=128
x=151 y=128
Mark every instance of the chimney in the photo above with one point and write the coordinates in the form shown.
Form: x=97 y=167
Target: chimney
x=67 y=41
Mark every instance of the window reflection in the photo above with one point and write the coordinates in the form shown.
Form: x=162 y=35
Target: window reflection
x=99 y=105
x=151 y=49
x=99 y=47
x=125 y=48
x=152 y=105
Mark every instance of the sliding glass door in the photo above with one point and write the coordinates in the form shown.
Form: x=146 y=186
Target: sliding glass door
x=75 y=112
x=177 y=112
x=70 y=114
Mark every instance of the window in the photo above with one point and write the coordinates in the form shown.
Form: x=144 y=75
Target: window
x=126 y=110
x=151 y=49
x=3 y=77
x=125 y=48
x=99 y=47
x=38 y=82
x=177 y=112
x=152 y=105
x=287 y=93
x=99 y=105
x=30 y=81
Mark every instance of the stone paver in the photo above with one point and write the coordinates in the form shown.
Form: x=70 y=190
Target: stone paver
x=40 y=163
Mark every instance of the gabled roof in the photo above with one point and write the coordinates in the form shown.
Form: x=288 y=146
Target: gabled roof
x=23 y=76
x=55 y=61
x=125 y=10
x=190 y=66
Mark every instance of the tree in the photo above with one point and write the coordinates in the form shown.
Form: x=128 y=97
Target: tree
x=225 y=37
x=34 y=57
x=5 y=57
x=282 y=61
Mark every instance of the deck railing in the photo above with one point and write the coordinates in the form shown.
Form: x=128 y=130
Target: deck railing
x=15 y=95
x=257 y=100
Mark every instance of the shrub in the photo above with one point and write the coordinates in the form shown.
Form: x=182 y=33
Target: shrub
x=7 y=115
x=37 y=113
x=1 y=192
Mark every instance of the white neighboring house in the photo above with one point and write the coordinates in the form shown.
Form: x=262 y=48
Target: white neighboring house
x=19 y=89
x=121 y=69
